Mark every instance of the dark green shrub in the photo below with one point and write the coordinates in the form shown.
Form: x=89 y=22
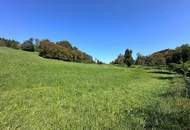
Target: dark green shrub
x=28 y=45
x=181 y=54
x=188 y=74
x=180 y=71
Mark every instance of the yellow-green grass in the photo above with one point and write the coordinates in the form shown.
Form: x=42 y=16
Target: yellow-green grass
x=42 y=94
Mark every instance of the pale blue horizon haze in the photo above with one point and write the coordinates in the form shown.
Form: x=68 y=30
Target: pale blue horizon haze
x=102 y=28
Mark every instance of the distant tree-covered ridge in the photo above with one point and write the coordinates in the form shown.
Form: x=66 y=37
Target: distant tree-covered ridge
x=61 y=50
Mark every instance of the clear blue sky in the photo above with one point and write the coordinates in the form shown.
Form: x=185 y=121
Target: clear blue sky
x=102 y=28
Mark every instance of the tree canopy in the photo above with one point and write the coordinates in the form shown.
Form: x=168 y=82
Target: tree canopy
x=61 y=50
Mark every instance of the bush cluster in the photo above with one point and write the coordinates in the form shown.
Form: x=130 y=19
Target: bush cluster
x=63 y=50
x=165 y=57
x=9 y=43
x=183 y=69
x=28 y=45
x=125 y=59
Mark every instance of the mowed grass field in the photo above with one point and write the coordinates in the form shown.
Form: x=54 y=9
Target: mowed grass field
x=44 y=94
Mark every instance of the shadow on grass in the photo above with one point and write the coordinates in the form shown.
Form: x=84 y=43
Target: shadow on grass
x=165 y=75
x=162 y=116
x=173 y=93
x=147 y=67
x=161 y=72
x=165 y=78
x=157 y=119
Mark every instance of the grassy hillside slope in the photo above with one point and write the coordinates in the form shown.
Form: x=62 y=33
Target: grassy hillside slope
x=37 y=93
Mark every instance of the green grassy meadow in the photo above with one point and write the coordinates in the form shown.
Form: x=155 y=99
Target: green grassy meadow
x=44 y=94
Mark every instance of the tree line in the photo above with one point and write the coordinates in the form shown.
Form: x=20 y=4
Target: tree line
x=126 y=59
x=9 y=43
x=179 y=55
x=177 y=59
x=61 y=50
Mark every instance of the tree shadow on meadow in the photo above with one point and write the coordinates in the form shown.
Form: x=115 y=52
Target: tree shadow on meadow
x=162 y=72
x=160 y=116
x=163 y=75
x=172 y=112
x=167 y=120
x=173 y=93
x=165 y=78
x=156 y=117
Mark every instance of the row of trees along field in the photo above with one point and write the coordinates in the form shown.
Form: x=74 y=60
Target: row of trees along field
x=174 y=59
x=61 y=50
